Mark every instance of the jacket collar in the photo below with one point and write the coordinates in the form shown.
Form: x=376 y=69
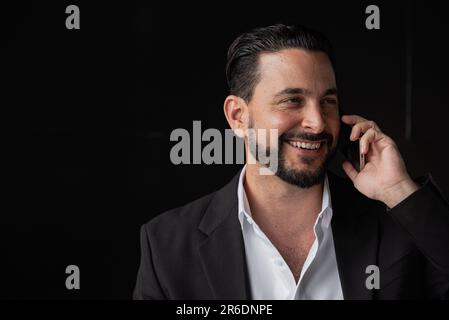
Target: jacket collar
x=354 y=227
x=223 y=251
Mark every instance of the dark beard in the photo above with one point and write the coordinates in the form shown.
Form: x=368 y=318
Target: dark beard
x=300 y=178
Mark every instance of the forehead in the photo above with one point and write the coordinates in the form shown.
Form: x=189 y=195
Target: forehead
x=295 y=68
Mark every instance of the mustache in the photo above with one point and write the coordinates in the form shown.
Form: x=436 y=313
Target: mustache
x=307 y=136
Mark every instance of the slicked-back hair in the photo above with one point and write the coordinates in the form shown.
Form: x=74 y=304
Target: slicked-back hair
x=242 y=67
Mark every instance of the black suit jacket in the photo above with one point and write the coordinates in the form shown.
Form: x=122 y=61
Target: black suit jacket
x=197 y=251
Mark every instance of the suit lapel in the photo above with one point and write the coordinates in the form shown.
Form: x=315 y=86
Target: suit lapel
x=355 y=232
x=222 y=253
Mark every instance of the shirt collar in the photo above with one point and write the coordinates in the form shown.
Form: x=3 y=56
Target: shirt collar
x=325 y=214
x=243 y=204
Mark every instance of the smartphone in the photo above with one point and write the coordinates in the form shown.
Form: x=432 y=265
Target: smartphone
x=351 y=149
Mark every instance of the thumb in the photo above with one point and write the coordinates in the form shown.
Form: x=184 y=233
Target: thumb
x=349 y=170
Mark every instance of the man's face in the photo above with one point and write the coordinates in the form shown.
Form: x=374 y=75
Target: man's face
x=297 y=96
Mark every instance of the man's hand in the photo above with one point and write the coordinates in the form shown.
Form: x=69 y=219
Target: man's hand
x=384 y=176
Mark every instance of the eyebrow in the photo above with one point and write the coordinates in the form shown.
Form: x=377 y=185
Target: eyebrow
x=289 y=91
x=330 y=92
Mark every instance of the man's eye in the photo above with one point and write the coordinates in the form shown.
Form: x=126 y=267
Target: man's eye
x=294 y=101
x=329 y=101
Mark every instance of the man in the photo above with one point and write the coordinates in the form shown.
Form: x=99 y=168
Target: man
x=302 y=233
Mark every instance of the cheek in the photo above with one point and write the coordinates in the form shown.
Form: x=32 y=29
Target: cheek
x=267 y=121
x=282 y=121
x=273 y=120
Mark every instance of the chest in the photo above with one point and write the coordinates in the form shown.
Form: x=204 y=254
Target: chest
x=295 y=251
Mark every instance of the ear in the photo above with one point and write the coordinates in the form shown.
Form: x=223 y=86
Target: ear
x=236 y=112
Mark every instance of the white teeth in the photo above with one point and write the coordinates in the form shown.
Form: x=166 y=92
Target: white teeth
x=305 y=145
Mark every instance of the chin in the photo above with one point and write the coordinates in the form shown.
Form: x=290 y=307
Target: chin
x=301 y=173
x=302 y=178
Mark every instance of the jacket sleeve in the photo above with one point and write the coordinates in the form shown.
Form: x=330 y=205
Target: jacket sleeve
x=425 y=217
x=147 y=284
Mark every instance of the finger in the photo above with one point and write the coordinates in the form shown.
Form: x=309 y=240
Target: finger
x=349 y=170
x=368 y=137
x=352 y=119
x=360 y=128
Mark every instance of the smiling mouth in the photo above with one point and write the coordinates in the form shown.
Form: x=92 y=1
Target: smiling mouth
x=306 y=145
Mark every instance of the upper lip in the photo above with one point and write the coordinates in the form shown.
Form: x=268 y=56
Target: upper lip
x=305 y=141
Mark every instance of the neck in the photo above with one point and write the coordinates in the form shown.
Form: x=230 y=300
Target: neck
x=277 y=204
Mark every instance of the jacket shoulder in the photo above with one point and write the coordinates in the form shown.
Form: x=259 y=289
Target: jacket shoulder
x=183 y=218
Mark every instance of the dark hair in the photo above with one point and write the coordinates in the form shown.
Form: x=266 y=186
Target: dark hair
x=243 y=54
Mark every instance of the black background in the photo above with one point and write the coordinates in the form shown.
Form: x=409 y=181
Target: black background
x=88 y=114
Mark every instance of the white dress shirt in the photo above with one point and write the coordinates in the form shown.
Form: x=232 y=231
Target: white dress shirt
x=270 y=276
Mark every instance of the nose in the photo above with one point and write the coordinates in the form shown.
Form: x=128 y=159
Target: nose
x=312 y=118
